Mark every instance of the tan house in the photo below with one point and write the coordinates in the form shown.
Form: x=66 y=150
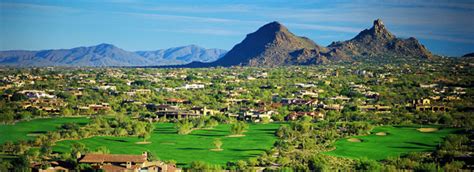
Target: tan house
x=126 y=163
x=314 y=114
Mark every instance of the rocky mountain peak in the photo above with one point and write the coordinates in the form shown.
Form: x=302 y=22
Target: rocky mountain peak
x=272 y=45
x=378 y=30
x=378 y=24
x=273 y=27
x=104 y=46
x=378 y=41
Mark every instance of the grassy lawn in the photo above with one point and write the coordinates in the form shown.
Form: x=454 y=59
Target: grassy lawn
x=397 y=141
x=168 y=145
x=28 y=129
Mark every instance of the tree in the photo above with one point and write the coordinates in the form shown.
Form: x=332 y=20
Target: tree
x=152 y=156
x=238 y=128
x=7 y=115
x=454 y=166
x=184 y=126
x=18 y=97
x=102 y=150
x=428 y=167
x=78 y=149
x=5 y=164
x=67 y=111
x=146 y=132
x=241 y=164
x=21 y=163
x=145 y=136
x=218 y=143
x=20 y=148
x=46 y=149
x=365 y=164
x=318 y=163
x=211 y=123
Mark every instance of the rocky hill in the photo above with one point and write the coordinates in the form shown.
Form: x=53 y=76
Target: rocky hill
x=274 y=45
x=378 y=41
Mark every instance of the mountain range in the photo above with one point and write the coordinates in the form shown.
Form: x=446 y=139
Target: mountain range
x=274 y=45
x=108 y=55
x=271 y=45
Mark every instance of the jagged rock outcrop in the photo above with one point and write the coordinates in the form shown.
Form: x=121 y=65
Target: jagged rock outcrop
x=378 y=41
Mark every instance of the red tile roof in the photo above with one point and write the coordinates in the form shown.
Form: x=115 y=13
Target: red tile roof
x=101 y=158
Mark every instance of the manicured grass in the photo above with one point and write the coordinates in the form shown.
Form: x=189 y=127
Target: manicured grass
x=168 y=145
x=28 y=129
x=397 y=141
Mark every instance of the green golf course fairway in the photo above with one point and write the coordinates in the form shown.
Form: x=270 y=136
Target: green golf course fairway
x=168 y=145
x=26 y=130
x=398 y=141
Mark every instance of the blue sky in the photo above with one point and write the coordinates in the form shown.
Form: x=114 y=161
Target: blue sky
x=445 y=27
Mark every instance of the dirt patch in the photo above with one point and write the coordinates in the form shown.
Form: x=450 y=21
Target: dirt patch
x=354 y=140
x=427 y=130
x=236 y=135
x=142 y=143
x=216 y=150
x=381 y=134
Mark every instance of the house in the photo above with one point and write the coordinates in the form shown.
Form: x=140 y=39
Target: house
x=35 y=94
x=306 y=93
x=342 y=98
x=192 y=86
x=176 y=101
x=123 y=162
x=428 y=85
x=425 y=104
x=142 y=91
x=203 y=111
x=106 y=87
x=47 y=105
x=98 y=107
x=115 y=162
x=255 y=115
x=337 y=107
x=165 y=110
x=296 y=101
x=296 y=115
x=375 y=108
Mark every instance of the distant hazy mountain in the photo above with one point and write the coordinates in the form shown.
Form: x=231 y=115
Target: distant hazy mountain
x=182 y=55
x=378 y=41
x=107 y=55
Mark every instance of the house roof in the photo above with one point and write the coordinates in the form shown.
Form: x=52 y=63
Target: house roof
x=101 y=158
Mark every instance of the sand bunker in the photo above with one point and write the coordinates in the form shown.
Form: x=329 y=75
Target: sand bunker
x=427 y=130
x=236 y=135
x=381 y=134
x=354 y=140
